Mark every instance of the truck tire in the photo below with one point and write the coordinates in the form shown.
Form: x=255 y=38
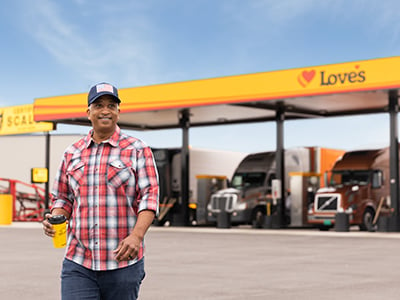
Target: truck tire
x=257 y=220
x=324 y=228
x=367 y=220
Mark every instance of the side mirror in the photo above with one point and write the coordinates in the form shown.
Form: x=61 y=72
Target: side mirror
x=326 y=183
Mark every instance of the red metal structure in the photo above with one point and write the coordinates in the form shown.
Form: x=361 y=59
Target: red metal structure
x=28 y=199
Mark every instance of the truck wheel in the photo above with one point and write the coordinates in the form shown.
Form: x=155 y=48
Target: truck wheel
x=367 y=220
x=258 y=218
x=324 y=228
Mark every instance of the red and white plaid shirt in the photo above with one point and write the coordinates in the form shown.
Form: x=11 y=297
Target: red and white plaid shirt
x=104 y=186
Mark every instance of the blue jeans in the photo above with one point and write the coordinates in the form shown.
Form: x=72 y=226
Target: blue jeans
x=78 y=283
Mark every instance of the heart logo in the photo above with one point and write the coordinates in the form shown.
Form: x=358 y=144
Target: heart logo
x=306 y=77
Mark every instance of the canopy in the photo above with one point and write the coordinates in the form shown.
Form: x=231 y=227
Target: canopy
x=313 y=92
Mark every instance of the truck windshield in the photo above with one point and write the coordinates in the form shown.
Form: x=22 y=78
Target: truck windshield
x=350 y=177
x=253 y=179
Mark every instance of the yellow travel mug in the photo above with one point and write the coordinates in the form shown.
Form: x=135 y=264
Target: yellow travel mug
x=59 y=223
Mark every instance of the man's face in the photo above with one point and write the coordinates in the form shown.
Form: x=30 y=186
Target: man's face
x=103 y=114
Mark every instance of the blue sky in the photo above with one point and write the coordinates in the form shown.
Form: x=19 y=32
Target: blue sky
x=52 y=48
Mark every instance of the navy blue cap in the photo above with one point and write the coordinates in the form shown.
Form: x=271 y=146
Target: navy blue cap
x=101 y=89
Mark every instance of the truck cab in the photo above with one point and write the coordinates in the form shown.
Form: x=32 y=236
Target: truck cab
x=357 y=185
x=250 y=190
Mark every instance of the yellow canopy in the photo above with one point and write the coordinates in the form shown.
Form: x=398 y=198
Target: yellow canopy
x=320 y=91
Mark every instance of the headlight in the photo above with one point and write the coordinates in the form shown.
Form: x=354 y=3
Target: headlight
x=241 y=206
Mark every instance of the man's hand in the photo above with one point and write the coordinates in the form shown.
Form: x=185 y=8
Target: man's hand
x=128 y=248
x=47 y=227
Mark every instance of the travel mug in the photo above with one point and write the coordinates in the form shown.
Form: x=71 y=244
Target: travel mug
x=59 y=223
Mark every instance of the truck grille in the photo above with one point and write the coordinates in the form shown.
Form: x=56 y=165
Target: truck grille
x=225 y=202
x=327 y=202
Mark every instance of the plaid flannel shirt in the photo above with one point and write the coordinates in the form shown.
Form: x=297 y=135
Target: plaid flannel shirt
x=104 y=186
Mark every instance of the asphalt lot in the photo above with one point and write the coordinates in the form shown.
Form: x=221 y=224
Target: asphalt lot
x=220 y=264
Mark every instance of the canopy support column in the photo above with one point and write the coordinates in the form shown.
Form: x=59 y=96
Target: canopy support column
x=280 y=165
x=184 y=121
x=394 y=219
x=47 y=162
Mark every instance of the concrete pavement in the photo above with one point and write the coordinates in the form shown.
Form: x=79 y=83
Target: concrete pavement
x=221 y=264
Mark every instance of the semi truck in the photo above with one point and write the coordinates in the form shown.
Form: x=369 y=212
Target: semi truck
x=209 y=170
x=249 y=196
x=359 y=186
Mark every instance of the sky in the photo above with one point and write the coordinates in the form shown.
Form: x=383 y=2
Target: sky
x=60 y=47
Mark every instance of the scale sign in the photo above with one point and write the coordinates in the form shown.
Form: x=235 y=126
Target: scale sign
x=39 y=175
x=19 y=119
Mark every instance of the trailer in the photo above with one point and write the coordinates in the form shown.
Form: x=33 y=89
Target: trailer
x=209 y=170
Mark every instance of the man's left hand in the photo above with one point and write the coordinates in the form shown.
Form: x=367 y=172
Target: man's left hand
x=128 y=248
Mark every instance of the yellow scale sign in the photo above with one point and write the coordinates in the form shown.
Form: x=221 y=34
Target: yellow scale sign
x=19 y=119
x=39 y=175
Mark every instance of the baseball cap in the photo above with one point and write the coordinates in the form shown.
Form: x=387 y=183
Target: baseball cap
x=101 y=89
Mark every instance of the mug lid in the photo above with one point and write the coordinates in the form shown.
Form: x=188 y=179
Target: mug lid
x=58 y=219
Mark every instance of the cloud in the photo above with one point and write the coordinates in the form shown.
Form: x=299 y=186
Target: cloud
x=90 y=43
x=257 y=13
x=260 y=12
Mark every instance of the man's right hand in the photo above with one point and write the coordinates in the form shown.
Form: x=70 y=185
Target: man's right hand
x=47 y=227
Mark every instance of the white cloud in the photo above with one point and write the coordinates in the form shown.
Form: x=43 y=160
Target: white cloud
x=259 y=13
x=104 y=49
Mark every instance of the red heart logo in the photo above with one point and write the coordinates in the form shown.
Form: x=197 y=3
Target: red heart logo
x=308 y=75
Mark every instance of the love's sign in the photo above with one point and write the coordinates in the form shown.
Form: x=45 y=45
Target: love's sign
x=326 y=78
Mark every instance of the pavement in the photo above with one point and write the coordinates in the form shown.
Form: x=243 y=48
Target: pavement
x=185 y=263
